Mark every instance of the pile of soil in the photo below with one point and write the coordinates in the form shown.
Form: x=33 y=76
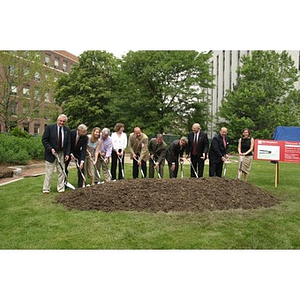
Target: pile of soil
x=6 y=172
x=168 y=195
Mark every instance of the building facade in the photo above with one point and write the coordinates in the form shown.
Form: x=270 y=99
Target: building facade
x=60 y=61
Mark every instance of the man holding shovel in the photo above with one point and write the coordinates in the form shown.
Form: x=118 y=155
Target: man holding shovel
x=157 y=149
x=175 y=154
x=138 y=147
x=56 y=140
x=197 y=149
x=78 y=151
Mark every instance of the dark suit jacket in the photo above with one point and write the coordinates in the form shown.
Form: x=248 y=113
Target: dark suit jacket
x=79 y=151
x=202 y=145
x=174 y=152
x=50 y=140
x=217 y=149
x=159 y=152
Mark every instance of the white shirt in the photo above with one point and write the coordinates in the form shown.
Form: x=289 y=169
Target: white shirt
x=119 y=142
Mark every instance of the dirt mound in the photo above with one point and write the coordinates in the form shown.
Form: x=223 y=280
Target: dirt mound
x=168 y=195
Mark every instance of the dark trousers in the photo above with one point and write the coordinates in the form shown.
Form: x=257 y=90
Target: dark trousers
x=160 y=169
x=80 y=178
x=198 y=165
x=114 y=162
x=173 y=173
x=135 y=168
x=215 y=169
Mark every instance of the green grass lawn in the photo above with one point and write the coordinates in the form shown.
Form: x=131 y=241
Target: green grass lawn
x=31 y=220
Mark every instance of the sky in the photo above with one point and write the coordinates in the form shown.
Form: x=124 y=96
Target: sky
x=118 y=26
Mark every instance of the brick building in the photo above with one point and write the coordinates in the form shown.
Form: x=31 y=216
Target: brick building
x=59 y=60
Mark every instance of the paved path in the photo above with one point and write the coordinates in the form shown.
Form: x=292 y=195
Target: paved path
x=33 y=170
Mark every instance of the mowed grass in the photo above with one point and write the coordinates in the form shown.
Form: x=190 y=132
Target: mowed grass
x=31 y=220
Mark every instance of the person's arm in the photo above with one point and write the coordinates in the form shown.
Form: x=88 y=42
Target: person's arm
x=205 y=146
x=97 y=151
x=239 y=146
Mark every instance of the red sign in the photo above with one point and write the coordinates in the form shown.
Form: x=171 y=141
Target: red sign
x=277 y=150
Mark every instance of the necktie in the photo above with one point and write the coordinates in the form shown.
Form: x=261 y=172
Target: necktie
x=77 y=138
x=224 y=142
x=60 y=139
x=195 y=145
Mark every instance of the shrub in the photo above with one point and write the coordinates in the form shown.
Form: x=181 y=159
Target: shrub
x=19 y=150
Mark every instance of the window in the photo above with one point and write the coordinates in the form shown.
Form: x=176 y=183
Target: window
x=37 y=76
x=47 y=59
x=47 y=98
x=64 y=66
x=13 y=90
x=26 y=91
x=26 y=127
x=13 y=109
x=12 y=70
x=36 y=128
x=56 y=63
x=37 y=95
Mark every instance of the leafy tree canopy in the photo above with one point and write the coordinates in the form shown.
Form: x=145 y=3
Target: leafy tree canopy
x=86 y=91
x=265 y=96
x=162 y=91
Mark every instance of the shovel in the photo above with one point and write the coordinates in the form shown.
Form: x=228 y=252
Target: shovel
x=225 y=167
x=78 y=168
x=67 y=184
x=156 y=169
x=106 y=166
x=98 y=173
x=193 y=168
x=143 y=175
x=122 y=169
x=181 y=169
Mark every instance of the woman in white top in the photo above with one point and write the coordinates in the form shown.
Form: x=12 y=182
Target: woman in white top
x=92 y=148
x=119 y=140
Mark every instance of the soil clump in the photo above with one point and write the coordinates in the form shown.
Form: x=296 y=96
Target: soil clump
x=168 y=195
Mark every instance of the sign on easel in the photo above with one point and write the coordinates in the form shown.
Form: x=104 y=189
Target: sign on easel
x=277 y=151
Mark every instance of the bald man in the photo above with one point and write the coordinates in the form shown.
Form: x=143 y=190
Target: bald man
x=138 y=147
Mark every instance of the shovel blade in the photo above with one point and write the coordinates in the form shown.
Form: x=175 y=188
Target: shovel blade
x=69 y=185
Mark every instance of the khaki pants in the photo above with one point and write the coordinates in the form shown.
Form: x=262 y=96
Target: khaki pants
x=105 y=170
x=49 y=168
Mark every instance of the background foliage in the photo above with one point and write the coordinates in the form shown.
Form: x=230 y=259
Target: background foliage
x=159 y=91
x=19 y=150
x=265 y=96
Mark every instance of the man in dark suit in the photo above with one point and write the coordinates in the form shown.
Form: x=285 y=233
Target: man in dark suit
x=175 y=153
x=79 y=142
x=157 y=149
x=218 y=152
x=56 y=140
x=197 y=149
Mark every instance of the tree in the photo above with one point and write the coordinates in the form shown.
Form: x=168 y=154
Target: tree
x=85 y=92
x=24 y=83
x=265 y=96
x=162 y=91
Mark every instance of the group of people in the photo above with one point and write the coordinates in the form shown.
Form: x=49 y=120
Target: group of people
x=93 y=152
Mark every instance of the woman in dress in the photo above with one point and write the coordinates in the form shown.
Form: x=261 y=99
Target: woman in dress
x=119 y=140
x=92 y=148
x=245 y=149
